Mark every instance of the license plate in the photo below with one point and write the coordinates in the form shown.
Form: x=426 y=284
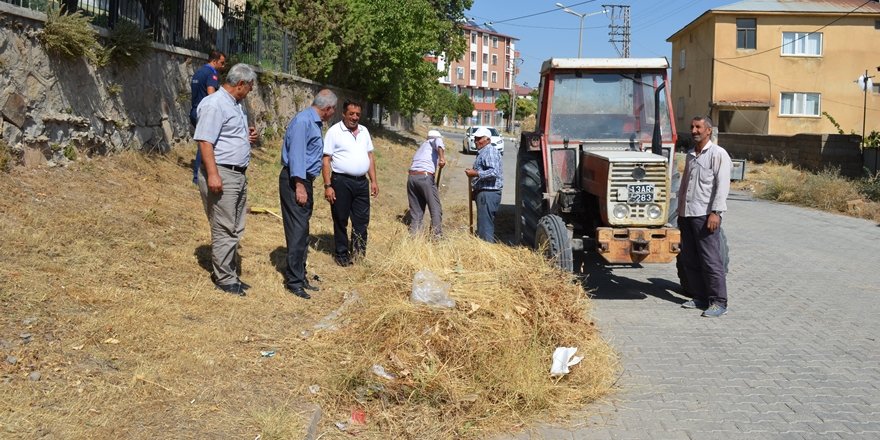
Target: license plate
x=640 y=193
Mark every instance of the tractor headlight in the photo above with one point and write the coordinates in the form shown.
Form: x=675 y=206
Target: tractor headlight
x=620 y=211
x=654 y=211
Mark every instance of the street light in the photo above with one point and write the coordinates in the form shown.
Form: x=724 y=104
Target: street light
x=582 y=17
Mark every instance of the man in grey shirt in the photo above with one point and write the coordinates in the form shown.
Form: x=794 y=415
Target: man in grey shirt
x=225 y=145
x=702 y=201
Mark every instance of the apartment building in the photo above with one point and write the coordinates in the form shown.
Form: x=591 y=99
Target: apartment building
x=775 y=66
x=484 y=72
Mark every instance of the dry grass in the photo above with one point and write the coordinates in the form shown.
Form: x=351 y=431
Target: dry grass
x=106 y=294
x=826 y=190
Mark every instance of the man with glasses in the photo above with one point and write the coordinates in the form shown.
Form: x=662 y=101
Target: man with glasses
x=225 y=140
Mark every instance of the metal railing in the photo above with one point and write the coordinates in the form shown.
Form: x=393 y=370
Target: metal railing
x=201 y=25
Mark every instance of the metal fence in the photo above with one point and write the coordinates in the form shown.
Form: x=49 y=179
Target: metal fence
x=201 y=25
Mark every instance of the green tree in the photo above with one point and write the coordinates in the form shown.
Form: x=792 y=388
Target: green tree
x=502 y=104
x=375 y=47
x=440 y=102
x=464 y=107
x=385 y=58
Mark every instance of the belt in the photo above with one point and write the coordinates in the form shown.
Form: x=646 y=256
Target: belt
x=420 y=173
x=308 y=177
x=235 y=168
x=350 y=176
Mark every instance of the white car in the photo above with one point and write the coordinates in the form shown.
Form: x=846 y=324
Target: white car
x=467 y=145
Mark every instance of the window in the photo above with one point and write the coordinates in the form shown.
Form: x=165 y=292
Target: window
x=802 y=43
x=459 y=72
x=485 y=58
x=478 y=96
x=485 y=40
x=746 y=32
x=473 y=57
x=473 y=74
x=799 y=104
x=681 y=60
x=494 y=77
x=485 y=76
x=495 y=42
x=473 y=38
x=490 y=96
x=494 y=60
x=876 y=24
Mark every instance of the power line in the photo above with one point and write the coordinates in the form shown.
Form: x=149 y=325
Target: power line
x=539 y=13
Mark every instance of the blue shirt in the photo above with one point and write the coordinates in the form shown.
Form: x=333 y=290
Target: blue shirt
x=303 y=145
x=205 y=77
x=488 y=164
x=223 y=124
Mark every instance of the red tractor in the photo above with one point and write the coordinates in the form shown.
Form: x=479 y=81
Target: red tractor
x=597 y=174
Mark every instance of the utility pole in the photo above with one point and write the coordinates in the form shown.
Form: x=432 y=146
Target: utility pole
x=512 y=95
x=617 y=32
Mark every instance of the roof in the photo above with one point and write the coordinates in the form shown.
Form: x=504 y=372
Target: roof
x=605 y=63
x=523 y=90
x=833 y=6
x=789 y=6
x=487 y=28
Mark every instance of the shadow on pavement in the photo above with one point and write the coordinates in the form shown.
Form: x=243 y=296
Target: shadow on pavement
x=606 y=282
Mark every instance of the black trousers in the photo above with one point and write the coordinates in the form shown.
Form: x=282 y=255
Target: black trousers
x=352 y=202
x=702 y=260
x=296 y=228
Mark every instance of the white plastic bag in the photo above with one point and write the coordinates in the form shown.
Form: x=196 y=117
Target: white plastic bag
x=563 y=358
x=430 y=290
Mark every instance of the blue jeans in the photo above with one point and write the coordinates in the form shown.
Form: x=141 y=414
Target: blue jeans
x=487 y=206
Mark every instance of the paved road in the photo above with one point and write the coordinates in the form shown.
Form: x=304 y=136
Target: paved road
x=797 y=357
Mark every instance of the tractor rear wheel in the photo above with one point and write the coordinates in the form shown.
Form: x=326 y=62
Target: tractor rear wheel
x=529 y=195
x=552 y=239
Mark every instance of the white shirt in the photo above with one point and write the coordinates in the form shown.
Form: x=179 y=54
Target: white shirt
x=705 y=183
x=427 y=155
x=348 y=152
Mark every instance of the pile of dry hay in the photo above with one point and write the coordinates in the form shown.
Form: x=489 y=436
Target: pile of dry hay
x=483 y=365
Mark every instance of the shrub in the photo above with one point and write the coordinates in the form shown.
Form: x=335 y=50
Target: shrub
x=70 y=35
x=129 y=44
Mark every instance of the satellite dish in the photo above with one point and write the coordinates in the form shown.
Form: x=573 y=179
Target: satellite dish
x=211 y=14
x=862 y=85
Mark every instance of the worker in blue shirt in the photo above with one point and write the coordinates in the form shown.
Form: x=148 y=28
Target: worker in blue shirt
x=487 y=181
x=301 y=160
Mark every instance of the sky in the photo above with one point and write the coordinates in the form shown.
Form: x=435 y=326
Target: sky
x=545 y=31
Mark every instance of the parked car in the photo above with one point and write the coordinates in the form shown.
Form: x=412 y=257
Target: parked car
x=467 y=145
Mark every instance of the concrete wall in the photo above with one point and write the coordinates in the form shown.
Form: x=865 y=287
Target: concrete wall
x=813 y=152
x=50 y=104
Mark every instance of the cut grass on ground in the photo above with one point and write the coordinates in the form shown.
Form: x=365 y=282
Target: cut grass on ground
x=826 y=190
x=106 y=295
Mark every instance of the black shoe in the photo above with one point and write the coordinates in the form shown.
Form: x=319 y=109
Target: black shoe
x=244 y=285
x=298 y=291
x=313 y=288
x=344 y=262
x=234 y=288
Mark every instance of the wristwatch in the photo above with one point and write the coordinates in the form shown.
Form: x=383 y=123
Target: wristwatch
x=327 y=185
x=717 y=212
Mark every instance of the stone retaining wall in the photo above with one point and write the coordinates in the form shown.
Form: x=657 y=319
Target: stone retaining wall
x=60 y=108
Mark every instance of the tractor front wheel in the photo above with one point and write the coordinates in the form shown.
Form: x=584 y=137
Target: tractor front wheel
x=553 y=241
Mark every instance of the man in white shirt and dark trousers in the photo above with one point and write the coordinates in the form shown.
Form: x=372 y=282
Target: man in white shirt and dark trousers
x=349 y=173
x=702 y=201
x=421 y=187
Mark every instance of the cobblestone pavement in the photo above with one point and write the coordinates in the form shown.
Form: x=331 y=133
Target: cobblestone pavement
x=797 y=356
